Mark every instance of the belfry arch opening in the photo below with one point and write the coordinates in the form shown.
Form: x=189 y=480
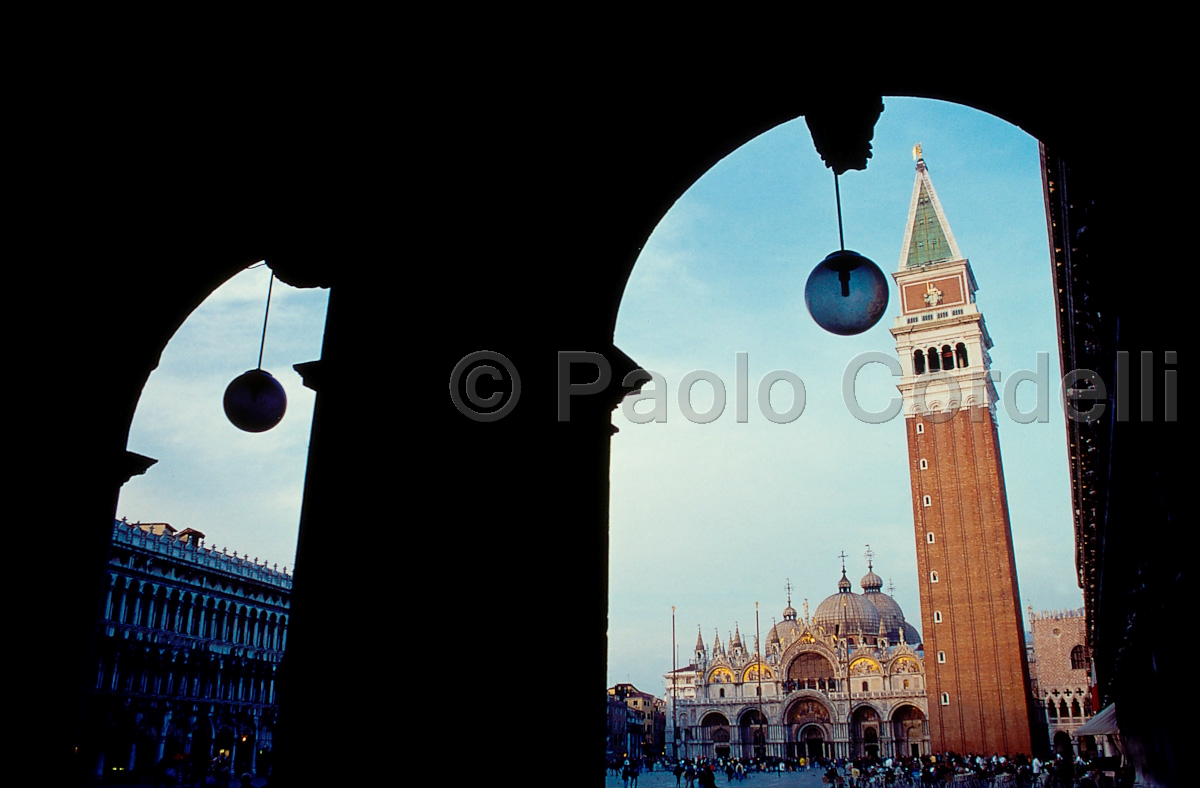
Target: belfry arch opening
x=722 y=280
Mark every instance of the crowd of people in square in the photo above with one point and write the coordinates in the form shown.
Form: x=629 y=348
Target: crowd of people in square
x=931 y=771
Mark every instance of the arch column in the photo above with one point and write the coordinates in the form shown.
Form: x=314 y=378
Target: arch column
x=131 y=764
x=256 y=726
x=162 y=736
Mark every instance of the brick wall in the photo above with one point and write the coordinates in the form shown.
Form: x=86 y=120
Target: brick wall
x=974 y=637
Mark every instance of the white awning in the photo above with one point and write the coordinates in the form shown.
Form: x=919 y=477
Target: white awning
x=1103 y=724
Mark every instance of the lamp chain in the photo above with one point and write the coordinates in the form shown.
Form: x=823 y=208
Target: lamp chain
x=838 y=194
x=267 y=313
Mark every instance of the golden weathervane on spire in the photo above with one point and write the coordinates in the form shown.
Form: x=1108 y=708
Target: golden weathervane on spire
x=916 y=151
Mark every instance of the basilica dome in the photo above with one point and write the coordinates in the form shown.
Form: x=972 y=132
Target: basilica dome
x=911 y=636
x=889 y=611
x=846 y=613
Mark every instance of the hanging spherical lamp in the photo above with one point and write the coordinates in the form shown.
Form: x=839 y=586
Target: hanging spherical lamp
x=255 y=401
x=846 y=293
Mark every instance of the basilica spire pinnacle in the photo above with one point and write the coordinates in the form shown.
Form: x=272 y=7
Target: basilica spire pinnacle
x=844 y=584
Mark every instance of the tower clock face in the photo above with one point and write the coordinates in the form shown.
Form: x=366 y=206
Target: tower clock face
x=950 y=289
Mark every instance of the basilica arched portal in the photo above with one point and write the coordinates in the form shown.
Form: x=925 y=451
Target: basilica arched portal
x=910 y=731
x=753 y=734
x=809 y=725
x=811 y=742
x=714 y=731
x=864 y=732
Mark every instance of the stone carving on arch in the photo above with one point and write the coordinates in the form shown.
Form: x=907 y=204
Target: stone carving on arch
x=904 y=663
x=799 y=647
x=906 y=710
x=866 y=711
x=750 y=674
x=864 y=666
x=716 y=727
x=809 y=707
x=801 y=733
x=749 y=716
x=720 y=674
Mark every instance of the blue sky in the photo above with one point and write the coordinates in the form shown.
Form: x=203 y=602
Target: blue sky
x=712 y=518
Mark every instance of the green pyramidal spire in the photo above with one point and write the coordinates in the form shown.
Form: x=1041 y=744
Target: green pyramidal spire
x=927 y=238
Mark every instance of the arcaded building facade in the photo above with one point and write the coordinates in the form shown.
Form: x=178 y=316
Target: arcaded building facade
x=190 y=639
x=847 y=681
x=1063 y=676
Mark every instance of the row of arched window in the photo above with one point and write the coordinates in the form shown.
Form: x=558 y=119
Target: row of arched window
x=822 y=684
x=180 y=673
x=934 y=360
x=1062 y=710
x=145 y=605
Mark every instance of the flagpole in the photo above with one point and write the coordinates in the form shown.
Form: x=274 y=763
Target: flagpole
x=758 y=648
x=674 y=690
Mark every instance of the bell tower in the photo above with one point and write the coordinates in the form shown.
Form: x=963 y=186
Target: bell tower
x=978 y=676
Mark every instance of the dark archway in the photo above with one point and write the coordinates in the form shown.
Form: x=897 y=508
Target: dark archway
x=715 y=732
x=753 y=734
x=865 y=724
x=910 y=731
x=812 y=742
x=1063 y=746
